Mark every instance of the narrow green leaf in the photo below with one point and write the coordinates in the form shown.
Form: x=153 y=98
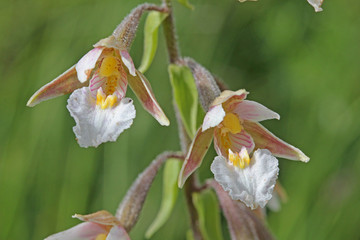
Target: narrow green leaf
x=186 y=96
x=169 y=196
x=151 y=29
x=189 y=235
x=209 y=214
x=187 y=4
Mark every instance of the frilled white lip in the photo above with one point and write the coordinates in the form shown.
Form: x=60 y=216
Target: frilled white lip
x=95 y=125
x=253 y=184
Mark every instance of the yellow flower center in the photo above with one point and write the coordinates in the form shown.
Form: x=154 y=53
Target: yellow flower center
x=241 y=159
x=110 y=69
x=101 y=236
x=231 y=123
x=108 y=66
x=105 y=101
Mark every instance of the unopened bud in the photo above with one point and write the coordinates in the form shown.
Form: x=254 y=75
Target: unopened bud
x=206 y=85
x=130 y=208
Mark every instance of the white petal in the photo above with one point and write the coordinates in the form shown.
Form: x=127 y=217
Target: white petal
x=213 y=117
x=82 y=231
x=253 y=111
x=95 y=125
x=254 y=184
x=128 y=62
x=87 y=63
x=117 y=233
x=316 y=4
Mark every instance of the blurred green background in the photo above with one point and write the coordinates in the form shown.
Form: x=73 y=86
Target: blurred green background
x=303 y=65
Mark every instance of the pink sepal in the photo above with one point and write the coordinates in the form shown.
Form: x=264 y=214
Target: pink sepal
x=86 y=230
x=63 y=84
x=263 y=138
x=141 y=87
x=253 y=111
x=118 y=233
x=197 y=151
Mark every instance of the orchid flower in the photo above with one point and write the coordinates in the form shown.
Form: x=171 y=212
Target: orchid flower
x=101 y=225
x=98 y=83
x=233 y=122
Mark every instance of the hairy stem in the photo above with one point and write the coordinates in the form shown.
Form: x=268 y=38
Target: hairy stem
x=125 y=31
x=170 y=35
x=185 y=141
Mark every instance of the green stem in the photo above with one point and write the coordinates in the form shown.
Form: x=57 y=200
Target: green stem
x=174 y=56
x=170 y=35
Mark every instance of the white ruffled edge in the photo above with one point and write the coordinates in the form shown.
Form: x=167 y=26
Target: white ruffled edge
x=254 y=184
x=95 y=125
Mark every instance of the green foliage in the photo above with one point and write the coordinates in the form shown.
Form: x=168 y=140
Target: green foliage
x=186 y=96
x=187 y=4
x=151 y=30
x=300 y=64
x=208 y=210
x=169 y=195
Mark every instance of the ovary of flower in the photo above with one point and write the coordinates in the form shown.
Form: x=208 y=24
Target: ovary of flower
x=240 y=160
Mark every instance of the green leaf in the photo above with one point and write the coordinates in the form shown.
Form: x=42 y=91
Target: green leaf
x=151 y=29
x=186 y=96
x=187 y=4
x=209 y=214
x=169 y=196
x=189 y=235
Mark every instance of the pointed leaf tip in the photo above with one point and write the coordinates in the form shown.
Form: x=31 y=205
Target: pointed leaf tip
x=151 y=29
x=187 y=4
x=185 y=95
x=169 y=196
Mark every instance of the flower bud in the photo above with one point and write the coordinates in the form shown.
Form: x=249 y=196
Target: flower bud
x=206 y=85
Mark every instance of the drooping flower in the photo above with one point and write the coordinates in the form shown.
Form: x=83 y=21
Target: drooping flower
x=97 y=226
x=233 y=122
x=98 y=83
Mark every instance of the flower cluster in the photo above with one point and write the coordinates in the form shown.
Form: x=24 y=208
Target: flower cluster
x=246 y=166
x=233 y=122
